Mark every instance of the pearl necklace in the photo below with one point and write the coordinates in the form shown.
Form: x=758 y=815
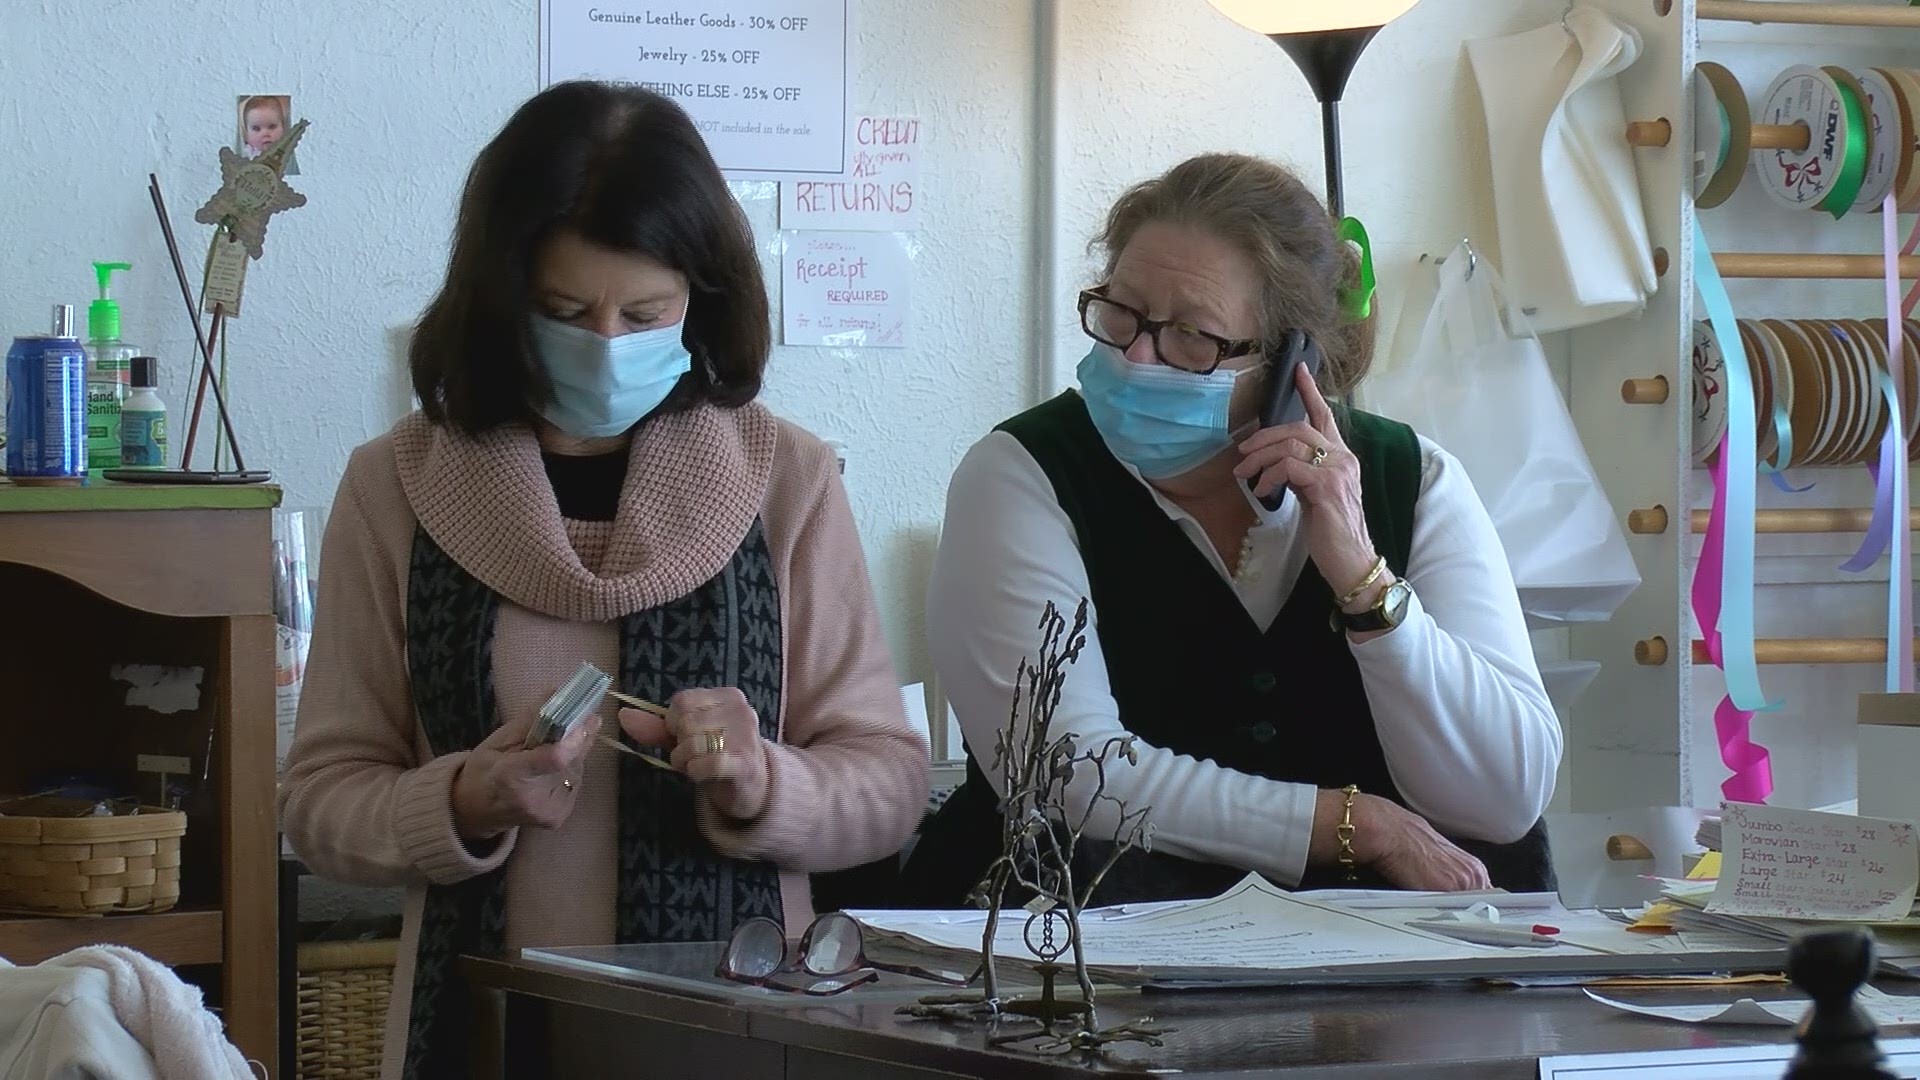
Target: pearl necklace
x=1244 y=572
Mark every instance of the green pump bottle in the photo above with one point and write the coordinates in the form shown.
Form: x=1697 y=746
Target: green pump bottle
x=109 y=364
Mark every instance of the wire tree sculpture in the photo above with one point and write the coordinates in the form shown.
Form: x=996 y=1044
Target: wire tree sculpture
x=1041 y=832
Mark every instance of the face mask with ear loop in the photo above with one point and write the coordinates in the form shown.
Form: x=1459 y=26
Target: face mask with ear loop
x=603 y=386
x=1163 y=422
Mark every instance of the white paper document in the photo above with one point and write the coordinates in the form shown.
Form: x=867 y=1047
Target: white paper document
x=1251 y=926
x=765 y=81
x=880 y=189
x=1886 y=1010
x=1802 y=864
x=846 y=289
x=1705 y=1063
x=1256 y=932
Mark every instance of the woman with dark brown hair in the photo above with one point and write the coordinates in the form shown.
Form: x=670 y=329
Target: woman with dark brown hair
x=590 y=479
x=1310 y=627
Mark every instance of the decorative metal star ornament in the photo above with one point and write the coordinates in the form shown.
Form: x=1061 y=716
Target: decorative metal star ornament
x=253 y=191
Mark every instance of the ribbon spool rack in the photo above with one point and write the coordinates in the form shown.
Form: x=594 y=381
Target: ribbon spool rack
x=1643 y=732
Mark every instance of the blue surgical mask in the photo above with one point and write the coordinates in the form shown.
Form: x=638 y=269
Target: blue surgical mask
x=603 y=386
x=1160 y=420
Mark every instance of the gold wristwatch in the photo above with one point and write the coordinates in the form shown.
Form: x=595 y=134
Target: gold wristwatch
x=1385 y=614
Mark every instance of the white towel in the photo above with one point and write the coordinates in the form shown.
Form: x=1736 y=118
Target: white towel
x=1573 y=239
x=58 y=1024
x=164 y=1014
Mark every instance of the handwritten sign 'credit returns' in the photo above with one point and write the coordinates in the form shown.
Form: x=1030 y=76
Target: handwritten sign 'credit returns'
x=846 y=289
x=1802 y=864
x=880 y=189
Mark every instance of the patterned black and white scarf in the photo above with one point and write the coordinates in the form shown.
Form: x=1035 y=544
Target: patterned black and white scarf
x=672 y=886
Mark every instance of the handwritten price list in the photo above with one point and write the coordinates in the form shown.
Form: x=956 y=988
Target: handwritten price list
x=1801 y=864
x=764 y=80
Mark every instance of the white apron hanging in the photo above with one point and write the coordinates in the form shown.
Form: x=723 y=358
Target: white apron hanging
x=1572 y=232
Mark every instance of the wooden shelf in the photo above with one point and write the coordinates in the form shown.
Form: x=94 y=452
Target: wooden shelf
x=107 y=495
x=181 y=578
x=180 y=936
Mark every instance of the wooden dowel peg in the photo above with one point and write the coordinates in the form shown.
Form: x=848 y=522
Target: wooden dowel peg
x=1647 y=521
x=1782 y=136
x=1624 y=848
x=1764 y=136
x=1649 y=132
x=1780 y=264
x=1809 y=651
x=1835 y=520
x=1652 y=652
x=1768 y=11
x=1644 y=391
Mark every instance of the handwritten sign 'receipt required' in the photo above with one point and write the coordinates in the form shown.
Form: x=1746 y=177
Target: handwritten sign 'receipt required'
x=846 y=289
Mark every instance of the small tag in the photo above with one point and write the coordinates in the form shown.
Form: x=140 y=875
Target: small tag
x=1040 y=905
x=226 y=276
x=160 y=763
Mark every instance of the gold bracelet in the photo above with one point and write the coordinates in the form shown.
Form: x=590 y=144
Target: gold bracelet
x=1379 y=567
x=1344 y=831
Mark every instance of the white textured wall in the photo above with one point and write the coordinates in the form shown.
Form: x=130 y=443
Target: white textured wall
x=402 y=95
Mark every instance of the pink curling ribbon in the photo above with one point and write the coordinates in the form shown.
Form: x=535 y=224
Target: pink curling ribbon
x=1749 y=763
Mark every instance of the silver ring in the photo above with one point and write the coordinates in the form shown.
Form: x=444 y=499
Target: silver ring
x=1319 y=456
x=568 y=784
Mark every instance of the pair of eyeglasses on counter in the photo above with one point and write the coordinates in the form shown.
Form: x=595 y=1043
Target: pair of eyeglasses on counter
x=831 y=958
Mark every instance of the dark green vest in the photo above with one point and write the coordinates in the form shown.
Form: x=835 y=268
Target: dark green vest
x=1192 y=673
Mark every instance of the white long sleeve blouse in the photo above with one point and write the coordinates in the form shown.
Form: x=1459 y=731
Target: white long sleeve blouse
x=1470 y=737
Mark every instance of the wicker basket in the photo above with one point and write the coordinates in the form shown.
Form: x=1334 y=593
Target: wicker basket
x=341 y=1008
x=54 y=862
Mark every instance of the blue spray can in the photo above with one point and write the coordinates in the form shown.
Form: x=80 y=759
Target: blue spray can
x=47 y=405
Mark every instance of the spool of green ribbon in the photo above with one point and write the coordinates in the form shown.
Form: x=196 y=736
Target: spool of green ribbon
x=1356 y=302
x=1726 y=132
x=1853 y=164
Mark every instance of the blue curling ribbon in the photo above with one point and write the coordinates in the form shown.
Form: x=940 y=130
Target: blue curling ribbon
x=1736 y=580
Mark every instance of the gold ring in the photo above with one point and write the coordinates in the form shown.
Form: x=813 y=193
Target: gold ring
x=716 y=742
x=1319 y=456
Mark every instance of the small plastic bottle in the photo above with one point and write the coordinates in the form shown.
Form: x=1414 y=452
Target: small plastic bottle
x=107 y=359
x=143 y=419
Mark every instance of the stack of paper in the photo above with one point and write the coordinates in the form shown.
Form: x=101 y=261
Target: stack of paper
x=1708 y=835
x=1257 y=933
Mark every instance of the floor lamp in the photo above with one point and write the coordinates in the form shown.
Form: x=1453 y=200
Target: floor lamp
x=1325 y=38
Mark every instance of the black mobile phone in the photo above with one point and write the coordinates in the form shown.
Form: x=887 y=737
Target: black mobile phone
x=1282 y=404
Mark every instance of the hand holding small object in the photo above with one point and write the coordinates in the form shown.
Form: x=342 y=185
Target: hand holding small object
x=1312 y=458
x=504 y=783
x=714 y=736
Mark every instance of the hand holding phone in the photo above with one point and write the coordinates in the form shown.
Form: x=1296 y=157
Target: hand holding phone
x=1282 y=404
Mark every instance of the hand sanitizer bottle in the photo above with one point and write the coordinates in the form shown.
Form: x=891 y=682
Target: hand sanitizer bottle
x=107 y=367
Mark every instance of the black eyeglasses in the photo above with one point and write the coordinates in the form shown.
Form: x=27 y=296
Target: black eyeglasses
x=832 y=958
x=1177 y=343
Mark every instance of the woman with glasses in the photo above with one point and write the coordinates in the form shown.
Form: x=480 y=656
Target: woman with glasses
x=1310 y=628
x=590 y=479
